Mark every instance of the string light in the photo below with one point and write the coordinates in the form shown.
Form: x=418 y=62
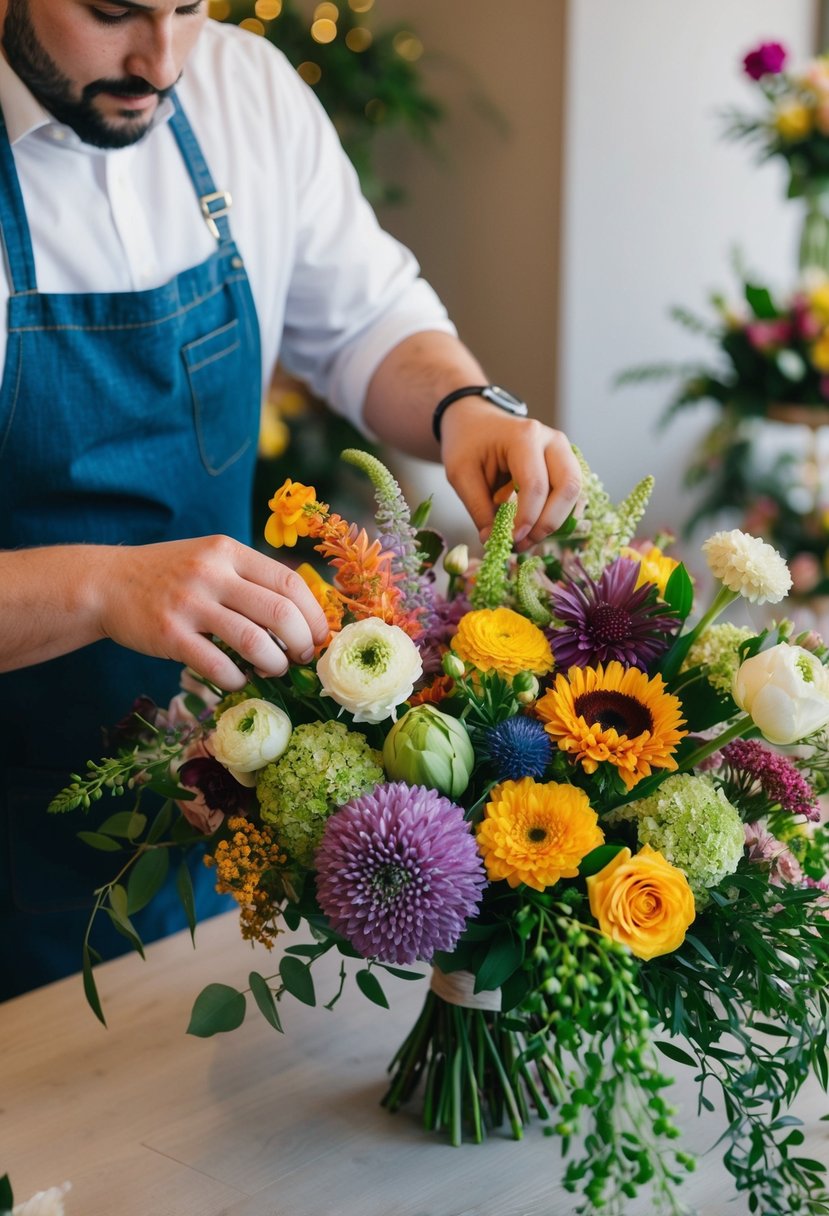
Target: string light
x=358 y=39
x=408 y=46
x=310 y=72
x=252 y=25
x=268 y=10
x=324 y=30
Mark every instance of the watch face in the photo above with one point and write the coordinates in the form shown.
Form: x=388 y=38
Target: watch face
x=506 y=400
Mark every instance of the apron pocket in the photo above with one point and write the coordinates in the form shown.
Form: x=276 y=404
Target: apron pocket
x=215 y=366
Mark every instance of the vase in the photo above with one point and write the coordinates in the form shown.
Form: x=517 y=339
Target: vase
x=814 y=236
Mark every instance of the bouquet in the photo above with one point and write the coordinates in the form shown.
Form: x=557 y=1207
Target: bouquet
x=560 y=784
x=773 y=368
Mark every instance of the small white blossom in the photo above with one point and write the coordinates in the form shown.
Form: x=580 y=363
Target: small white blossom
x=748 y=566
x=44 y=1203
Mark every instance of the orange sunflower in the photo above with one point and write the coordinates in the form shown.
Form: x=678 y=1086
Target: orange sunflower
x=615 y=715
x=537 y=832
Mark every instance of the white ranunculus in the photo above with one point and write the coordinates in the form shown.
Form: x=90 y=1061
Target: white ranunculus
x=248 y=736
x=369 y=669
x=748 y=566
x=786 y=692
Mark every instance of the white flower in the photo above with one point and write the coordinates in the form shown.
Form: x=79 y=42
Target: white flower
x=248 y=736
x=369 y=669
x=786 y=692
x=44 y=1203
x=748 y=566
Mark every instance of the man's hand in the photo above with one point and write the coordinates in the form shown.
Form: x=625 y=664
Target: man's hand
x=167 y=600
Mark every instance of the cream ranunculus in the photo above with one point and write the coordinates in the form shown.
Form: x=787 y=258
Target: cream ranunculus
x=369 y=669
x=250 y=735
x=748 y=566
x=786 y=692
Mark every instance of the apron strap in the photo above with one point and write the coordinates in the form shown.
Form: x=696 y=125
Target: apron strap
x=214 y=203
x=14 y=227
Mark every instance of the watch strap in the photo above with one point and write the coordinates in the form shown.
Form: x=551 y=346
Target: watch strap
x=489 y=392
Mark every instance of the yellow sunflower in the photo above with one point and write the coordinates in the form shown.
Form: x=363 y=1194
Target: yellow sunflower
x=615 y=715
x=500 y=640
x=537 y=833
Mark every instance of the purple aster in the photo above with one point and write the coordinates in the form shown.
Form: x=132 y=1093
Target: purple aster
x=610 y=619
x=439 y=629
x=519 y=747
x=757 y=780
x=765 y=60
x=399 y=873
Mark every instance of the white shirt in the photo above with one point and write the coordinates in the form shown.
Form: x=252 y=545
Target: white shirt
x=334 y=293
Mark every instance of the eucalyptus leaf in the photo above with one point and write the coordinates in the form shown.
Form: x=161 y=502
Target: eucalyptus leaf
x=184 y=887
x=264 y=998
x=90 y=987
x=123 y=823
x=217 y=1009
x=297 y=979
x=147 y=878
x=369 y=985
x=105 y=844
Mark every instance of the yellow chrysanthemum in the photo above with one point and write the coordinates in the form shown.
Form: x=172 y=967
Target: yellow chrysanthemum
x=615 y=715
x=818 y=298
x=537 y=833
x=293 y=506
x=654 y=567
x=500 y=640
x=820 y=352
x=326 y=595
x=792 y=120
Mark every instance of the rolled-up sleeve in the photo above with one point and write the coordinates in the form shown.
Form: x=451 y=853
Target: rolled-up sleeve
x=354 y=291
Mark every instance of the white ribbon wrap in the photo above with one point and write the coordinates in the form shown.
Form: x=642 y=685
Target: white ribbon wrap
x=458 y=988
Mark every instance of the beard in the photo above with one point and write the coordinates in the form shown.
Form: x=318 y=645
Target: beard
x=39 y=72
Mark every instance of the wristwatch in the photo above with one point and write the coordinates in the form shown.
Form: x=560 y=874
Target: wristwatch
x=493 y=393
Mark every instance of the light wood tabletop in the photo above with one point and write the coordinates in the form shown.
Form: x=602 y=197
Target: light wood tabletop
x=143 y=1119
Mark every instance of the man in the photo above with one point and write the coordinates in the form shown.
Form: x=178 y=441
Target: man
x=176 y=214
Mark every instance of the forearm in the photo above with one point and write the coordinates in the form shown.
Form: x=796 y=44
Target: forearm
x=47 y=603
x=408 y=384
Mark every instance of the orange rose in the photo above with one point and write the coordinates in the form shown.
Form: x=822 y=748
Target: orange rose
x=643 y=902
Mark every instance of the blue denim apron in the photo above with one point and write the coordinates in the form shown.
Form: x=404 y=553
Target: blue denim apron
x=125 y=419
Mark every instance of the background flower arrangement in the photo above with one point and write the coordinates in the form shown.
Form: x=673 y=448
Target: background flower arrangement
x=772 y=364
x=549 y=784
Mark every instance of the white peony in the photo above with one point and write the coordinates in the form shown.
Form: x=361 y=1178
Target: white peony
x=748 y=566
x=369 y=669
x=250 y=735
x=786 y=692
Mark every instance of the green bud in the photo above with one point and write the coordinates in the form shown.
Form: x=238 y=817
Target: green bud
x=456 y=560
x=305 y=680
x=525 y=687
x=428 y=747
x=453 y=665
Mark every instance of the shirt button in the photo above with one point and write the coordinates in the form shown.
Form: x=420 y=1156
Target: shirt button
x=237 y=263
x=58 y=134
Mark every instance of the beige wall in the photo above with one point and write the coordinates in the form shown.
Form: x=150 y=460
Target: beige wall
x=484 y=218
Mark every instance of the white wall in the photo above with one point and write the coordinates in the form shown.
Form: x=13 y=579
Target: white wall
x=654 y=202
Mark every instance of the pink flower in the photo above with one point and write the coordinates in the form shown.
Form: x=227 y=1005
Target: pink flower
x=806 y=573
x=766 y=850
x=217 y=792
x=765 y=335
x=765 y=60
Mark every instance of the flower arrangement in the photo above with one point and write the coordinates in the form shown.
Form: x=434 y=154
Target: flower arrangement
x=557 y=782
x=773 y=369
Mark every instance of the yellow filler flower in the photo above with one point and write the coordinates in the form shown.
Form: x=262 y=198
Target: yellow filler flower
x=537 y=833
x=614 y=715
x=503 y=641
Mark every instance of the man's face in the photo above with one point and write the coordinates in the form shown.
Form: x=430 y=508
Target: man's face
x=99 y=66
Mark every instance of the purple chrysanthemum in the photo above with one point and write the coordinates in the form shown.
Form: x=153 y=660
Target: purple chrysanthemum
x=610 y=619
x=757 y=779
x=765 y=60
x=519 y=747
x=399 y=873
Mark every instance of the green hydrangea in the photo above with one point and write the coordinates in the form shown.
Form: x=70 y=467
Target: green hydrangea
x=324 y=765
x=694 y=826
x=717 y=650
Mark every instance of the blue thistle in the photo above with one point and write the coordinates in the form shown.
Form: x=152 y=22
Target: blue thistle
x=519 y=747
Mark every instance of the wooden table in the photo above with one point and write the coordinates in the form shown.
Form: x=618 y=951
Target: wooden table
x=145 y=1120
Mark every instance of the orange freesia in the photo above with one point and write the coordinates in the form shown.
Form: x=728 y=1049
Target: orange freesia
x=293 y=507
x=326 y=595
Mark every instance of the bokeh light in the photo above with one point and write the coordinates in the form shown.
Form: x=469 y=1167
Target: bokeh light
x=252 y=25
x=267 y=10
x=327 y=12
x=358 y=39
x=219 y=10
x=310 y=72
x=324 y=30
x=360 y=6
x=408 y=46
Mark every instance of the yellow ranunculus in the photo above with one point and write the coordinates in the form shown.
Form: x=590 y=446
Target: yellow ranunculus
x=643 y=902
x=793 y=121
x=654 y=567
x=498 y=639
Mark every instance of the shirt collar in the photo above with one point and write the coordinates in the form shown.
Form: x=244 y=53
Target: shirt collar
x=24 y=114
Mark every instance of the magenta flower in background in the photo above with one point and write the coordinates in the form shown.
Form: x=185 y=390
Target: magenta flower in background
x=399 y=873
x=610 y=619
x=766 y=335
x=757 y=779
x=765 y=60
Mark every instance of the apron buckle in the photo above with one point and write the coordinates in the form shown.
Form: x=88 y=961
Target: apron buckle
x=211 y=211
